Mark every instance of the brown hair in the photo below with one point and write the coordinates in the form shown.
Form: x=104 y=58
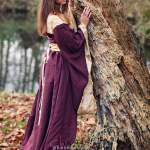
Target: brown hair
x=45 y=8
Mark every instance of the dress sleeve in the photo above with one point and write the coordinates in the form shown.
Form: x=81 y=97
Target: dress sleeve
x=72 y=47
x=73 y=41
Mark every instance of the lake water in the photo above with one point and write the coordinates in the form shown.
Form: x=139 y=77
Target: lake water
x=21 y=53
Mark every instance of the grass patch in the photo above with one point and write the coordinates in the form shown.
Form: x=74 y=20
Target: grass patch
x=24 y=127
x=13 y=121
x=3 y=120
x=10 y=145
x=6 y=115
x=3 y=101
x=16 y=105
x=22 y=122
x=32 y=94
x=5 y=128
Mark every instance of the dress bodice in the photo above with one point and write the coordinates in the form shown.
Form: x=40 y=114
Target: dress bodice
x=54 y=20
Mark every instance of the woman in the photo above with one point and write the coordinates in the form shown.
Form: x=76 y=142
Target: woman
x=64 y=75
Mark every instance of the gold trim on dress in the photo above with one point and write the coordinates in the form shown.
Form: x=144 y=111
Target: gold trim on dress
x=54 y=47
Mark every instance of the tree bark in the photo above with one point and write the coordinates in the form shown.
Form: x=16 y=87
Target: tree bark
x=121 y=80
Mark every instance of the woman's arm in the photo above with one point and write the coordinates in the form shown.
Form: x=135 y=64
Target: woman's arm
x=82 y=26
x=65 y=36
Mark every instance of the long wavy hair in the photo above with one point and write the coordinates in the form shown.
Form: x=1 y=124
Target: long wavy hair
x=45 y=8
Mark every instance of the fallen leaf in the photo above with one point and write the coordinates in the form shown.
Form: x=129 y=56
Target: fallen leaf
x=88 y=128
x=16 y=95
x=19 y=137
x=91 y=121
x=22 y=109
x=9 y=135
x=5 y=97
x=15 y=143
x=12 y=115
x=4 y=145
x=1 y=138
x=1 y=117
x=13 y=124
x=19 y=118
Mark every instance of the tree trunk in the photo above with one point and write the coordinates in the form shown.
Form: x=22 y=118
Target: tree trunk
x=121 y=80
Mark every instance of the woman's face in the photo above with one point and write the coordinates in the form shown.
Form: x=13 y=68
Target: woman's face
x=60 y=2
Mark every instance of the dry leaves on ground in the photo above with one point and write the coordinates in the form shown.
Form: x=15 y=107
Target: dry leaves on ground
x=15 y=109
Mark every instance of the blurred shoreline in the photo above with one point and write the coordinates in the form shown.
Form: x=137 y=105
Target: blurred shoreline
x=19 y=6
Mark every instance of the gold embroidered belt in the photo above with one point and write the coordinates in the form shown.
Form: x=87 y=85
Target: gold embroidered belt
x=54 y=47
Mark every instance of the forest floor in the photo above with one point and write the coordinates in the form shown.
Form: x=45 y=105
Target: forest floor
x=15 y=109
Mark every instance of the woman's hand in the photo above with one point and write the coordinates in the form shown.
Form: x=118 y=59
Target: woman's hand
x=85 y=16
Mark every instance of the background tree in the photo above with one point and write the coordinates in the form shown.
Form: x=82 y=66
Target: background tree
x=121 y=80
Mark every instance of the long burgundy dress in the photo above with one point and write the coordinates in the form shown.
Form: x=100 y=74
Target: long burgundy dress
x=66 y=76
